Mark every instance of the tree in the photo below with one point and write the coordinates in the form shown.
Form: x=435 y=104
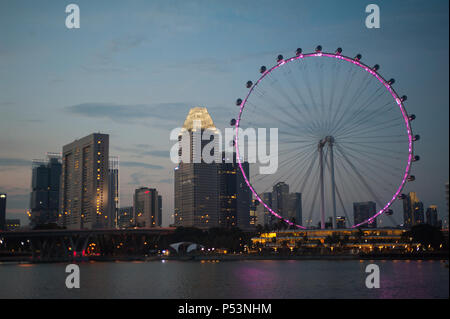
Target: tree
x=426 y=235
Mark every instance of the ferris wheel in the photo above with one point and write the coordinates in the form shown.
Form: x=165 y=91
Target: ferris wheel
x=344 y=137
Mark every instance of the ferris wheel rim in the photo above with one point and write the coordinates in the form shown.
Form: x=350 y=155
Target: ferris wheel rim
x=372 y=71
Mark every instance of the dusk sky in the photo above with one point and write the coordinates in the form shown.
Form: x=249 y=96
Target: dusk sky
x=134 y=69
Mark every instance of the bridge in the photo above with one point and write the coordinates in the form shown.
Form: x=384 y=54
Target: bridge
x=67 y=245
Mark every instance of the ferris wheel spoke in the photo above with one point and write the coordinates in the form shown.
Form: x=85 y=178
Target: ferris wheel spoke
x=369 y=121
x=313 y=202
x=295 y=86
x=353 y=115
x=373 y=154
x=370 y=130
x=359 y=92
x=365 y=118
x=287 y=163
x=362 y=179
x=345 y=90
x=380 y=175
x=338 y=193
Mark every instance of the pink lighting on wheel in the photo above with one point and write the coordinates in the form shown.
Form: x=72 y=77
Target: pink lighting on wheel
x=373 y=72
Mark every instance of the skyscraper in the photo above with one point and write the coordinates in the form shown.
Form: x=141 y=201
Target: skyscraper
x=146 y=207
x=264 y=217
x=113 y=191
x=85 y=183
x=280 y=199
x=160 y=203
x=196 y=180
x=432 y=216
x=363 y=211
x=2 y=211
x=45 y=184
x=287 y=205
x=235 y=196
x=413 y=211
x=295 y=208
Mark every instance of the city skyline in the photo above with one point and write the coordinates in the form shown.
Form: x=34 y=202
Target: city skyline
x=120 y=83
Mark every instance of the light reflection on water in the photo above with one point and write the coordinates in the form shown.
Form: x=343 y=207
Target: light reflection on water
x=231 y=280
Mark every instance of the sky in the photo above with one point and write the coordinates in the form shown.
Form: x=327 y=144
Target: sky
x=134 y=69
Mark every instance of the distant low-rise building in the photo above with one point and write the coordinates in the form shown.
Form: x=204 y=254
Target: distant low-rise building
x=12 y=224
x=125 y=217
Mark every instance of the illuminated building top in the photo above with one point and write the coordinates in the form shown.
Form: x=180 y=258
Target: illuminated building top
x=198 y=114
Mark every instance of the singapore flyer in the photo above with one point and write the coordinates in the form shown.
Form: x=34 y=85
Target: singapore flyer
x=345 y=140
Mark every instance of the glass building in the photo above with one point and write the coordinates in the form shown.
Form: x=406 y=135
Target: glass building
x=113 y=191
x=45 y=185
x=413 y=211
x=363 y=211
x=235 y=197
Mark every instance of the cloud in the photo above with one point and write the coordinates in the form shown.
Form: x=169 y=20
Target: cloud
x=14 y=162
x=158 y=153
x=125 y=113
x=140 y=164
x=18 y=201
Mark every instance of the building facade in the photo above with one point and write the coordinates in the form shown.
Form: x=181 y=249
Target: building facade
x=280 y=199
x=113 y=191
x=235 y=197
x=84 y=194
x=413 y=211
x=363 y=211
x=12 y=224
x=432 y=216
x=45 y=185
x=147 y=212
x=3 y=211
x=197 y=182
x=125 y=217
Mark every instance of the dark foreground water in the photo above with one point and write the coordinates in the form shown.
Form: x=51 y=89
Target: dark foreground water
x=237 y=279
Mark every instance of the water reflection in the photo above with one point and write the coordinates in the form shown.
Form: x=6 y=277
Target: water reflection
x=231 y=280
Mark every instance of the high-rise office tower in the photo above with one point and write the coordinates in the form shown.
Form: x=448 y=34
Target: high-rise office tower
x=45 y=184
x=113 y=191
x=160 y=203
x=446 y=195
x=287 y=205
x=363 y=211
x=280 y=199
x=413 y=211
x=85 y=183
x=196 y=179
x=3 y=211
x=235 y=196
x=432 y=216
x=295 y=208
x=264 y=217
x=146 y=208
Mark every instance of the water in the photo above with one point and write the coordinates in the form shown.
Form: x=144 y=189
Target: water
x=231 y=280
